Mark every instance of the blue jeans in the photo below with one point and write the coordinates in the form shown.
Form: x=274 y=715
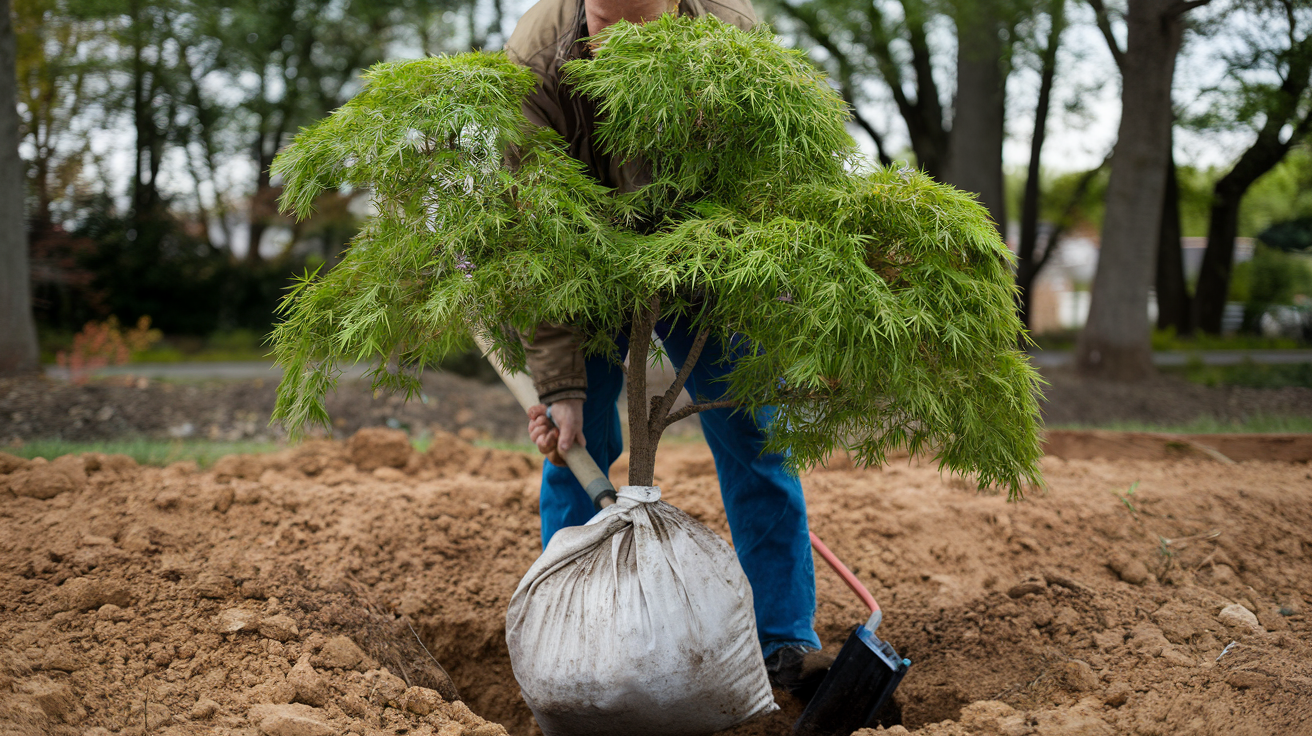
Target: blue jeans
x=762 y=500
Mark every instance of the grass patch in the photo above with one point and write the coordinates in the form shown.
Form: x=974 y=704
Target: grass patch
x=144 y=451
x=1207 y=425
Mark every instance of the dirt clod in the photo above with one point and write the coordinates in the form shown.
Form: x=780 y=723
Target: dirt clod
x=291 y=719
x=377 y=447
x=310 y=687
x=279 y=628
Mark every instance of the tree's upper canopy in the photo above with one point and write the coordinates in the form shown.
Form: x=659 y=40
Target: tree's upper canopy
x=877 y=306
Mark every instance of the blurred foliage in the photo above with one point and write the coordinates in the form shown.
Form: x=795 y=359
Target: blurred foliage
x=1248 y=373
x=1168 y=340
x=144 y=451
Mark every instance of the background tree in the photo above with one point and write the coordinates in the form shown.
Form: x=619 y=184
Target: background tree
x=1028 y=261
x=1278 y=49
x=870 y=311
x=18 y=349
x=960 y=144
x=1116 y=341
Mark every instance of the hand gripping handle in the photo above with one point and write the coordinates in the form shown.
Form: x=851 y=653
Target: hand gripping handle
x=594 y=482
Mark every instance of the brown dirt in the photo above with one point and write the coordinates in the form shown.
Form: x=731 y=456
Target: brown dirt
x=1085 y=610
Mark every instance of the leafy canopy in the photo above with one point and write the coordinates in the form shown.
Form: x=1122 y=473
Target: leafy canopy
x=876 y=306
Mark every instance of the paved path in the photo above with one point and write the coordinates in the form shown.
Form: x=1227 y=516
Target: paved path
x=239 y=370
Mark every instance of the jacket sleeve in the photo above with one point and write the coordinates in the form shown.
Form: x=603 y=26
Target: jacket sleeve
x=554 y=357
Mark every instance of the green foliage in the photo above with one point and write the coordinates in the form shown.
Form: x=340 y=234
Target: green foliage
x=1272 y=277
x=1248 y=373
x=875 y=309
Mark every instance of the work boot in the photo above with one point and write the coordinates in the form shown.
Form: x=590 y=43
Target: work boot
x=798 y=669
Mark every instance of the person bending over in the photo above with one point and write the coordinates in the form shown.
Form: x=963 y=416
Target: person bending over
x=762 y=500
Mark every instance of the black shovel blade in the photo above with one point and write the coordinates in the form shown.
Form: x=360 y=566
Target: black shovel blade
x=860 y=682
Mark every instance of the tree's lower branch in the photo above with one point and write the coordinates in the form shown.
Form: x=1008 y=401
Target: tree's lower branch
x=661 y=408
x=691 y=409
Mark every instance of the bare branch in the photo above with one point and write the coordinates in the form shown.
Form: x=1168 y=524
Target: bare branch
x=1068 y=212
x=1105 y=25
x=865 y=125
x=661 y=408
x=691 y=409
x=1180 y=7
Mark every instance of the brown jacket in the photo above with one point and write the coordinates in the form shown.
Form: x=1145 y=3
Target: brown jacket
x=546 y=37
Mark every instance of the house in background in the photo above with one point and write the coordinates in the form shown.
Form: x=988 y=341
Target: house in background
x=1061 y=292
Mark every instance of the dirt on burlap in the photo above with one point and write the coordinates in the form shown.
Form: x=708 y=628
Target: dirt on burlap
x=275 y=594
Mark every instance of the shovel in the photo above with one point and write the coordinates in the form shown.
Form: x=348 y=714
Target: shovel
x=594 y=482
x=862 y=678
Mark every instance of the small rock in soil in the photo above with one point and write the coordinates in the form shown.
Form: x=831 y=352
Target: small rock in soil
x=279 y=628
x=291 y=719
x=232 y=620
x=1241 y=618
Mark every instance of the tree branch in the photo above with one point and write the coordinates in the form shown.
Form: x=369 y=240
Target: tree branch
x=661 y=407
x=1081 y=188
x=865 y=125
x=691 y=409
x=1105 y=25
x=1180 y=7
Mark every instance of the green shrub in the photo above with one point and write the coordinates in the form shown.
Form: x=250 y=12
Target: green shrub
x=875 y=306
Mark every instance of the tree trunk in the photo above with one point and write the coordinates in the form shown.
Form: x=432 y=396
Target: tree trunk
x=1218 y=260
x=1027 y=267
x=642 y=447
x=1116 y=343
x=1173 y=307
x=18 y=348
x=975 y=144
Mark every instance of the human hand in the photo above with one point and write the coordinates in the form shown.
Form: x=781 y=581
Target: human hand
x=555 y=441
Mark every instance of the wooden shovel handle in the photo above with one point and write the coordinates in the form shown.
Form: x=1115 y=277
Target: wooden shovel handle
x=594 y=482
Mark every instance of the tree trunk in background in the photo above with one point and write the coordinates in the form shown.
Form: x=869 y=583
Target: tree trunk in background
x=1218 y=260
x=18 y=348
x=975 y=145
x=1173 y=306
x=1027 y=264
x=1116 y=342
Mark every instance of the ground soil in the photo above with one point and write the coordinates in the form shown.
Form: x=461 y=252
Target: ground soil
x=239 y=410
x=1130 y=597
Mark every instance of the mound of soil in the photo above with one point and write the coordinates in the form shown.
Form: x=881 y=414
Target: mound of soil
x=276 y=594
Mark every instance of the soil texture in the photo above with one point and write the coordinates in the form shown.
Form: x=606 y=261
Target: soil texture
x=276 y=594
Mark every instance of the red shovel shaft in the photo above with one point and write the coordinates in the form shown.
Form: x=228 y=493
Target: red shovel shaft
x=844 y=573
